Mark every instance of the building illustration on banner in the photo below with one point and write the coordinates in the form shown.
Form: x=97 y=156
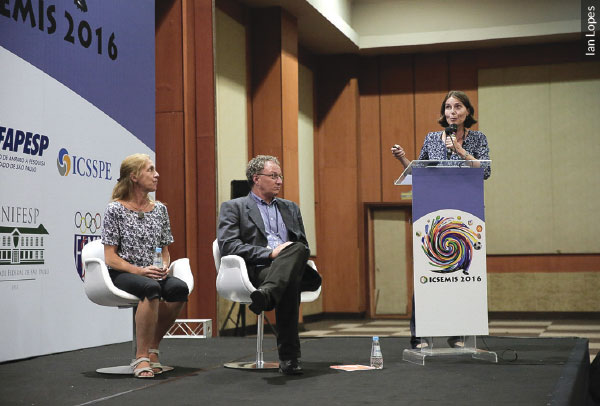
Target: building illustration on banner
x=22 y=245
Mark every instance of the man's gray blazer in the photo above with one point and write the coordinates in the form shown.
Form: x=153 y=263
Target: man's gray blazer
x=241 y=231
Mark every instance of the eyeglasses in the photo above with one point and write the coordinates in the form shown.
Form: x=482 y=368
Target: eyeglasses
x=273 y=176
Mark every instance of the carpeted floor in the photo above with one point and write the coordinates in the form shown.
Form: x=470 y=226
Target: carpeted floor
x=531 y=371
x=570 y=327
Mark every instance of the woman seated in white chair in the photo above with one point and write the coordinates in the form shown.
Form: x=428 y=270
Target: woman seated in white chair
x=134 y=226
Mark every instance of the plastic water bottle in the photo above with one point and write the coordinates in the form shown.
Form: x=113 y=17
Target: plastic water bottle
x=376 y=355
x=157 y=260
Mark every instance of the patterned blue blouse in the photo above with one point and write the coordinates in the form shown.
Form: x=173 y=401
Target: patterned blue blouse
x=135 y=237
x=475 y=144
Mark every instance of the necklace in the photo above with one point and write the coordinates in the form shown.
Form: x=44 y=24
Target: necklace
x=139 y=210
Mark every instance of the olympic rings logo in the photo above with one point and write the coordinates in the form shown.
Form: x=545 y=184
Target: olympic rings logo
x=88 y=222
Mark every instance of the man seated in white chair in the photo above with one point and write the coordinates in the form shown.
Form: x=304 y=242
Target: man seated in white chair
x=268 y=233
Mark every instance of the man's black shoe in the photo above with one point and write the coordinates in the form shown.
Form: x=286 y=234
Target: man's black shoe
x=260 y=301
x=290 y=367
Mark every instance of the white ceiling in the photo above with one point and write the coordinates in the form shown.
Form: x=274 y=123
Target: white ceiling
x=315 y=32
x=385 y=26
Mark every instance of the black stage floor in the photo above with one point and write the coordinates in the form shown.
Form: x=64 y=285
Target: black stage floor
x=531 y=371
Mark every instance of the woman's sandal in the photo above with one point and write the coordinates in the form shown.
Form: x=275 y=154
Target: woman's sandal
x=137 y=372
x=157 y=367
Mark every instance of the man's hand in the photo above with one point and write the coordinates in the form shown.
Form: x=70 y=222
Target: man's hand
x=277 y=250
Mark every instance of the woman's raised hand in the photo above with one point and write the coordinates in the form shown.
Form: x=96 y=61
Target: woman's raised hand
x=398 y=152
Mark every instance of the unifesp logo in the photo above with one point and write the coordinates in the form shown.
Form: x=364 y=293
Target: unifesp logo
x=63 y=162
x=80 y=241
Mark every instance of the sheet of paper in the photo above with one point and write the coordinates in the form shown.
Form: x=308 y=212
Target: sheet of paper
x=351 y=368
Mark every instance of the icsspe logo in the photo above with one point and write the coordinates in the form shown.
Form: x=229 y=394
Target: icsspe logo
x=63 y=162
x=86 y=167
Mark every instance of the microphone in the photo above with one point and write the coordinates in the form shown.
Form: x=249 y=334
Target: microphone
x=451 y=129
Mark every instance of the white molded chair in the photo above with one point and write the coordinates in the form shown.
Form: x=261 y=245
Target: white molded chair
x=234 y=284
x=100 y=289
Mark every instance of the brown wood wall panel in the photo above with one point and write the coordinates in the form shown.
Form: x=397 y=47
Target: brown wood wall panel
x=543 y=263
x=169 y=121
x=289 y=106
x=274 y=83
x=185 y=114
x=172 y=175
x=343 y=285
x=397 y=120
x=431 y=85
x=205 y=302
x=249 y=86
x=337 y=140
x=169 y=56
x=370 y=150
x=190 y=158
x=368 y=247
x=265 y=57
x=462 y=75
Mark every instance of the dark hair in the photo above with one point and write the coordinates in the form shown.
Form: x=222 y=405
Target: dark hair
x=457 y=94
x=256 y=165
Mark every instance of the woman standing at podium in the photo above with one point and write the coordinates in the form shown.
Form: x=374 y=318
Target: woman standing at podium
x=455 y=143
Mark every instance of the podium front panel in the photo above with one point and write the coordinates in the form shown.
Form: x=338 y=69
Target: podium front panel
x=448 y=188
x=449 y=252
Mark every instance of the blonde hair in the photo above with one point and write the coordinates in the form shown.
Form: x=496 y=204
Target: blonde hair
x=133 y=164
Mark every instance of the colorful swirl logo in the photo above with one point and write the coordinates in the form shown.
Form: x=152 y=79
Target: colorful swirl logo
x=63 y=162
x=448 y=243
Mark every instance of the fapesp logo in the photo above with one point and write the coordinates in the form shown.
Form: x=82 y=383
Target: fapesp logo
x=26 y=142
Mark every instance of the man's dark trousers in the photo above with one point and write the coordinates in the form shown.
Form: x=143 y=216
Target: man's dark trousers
x=282 y=279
